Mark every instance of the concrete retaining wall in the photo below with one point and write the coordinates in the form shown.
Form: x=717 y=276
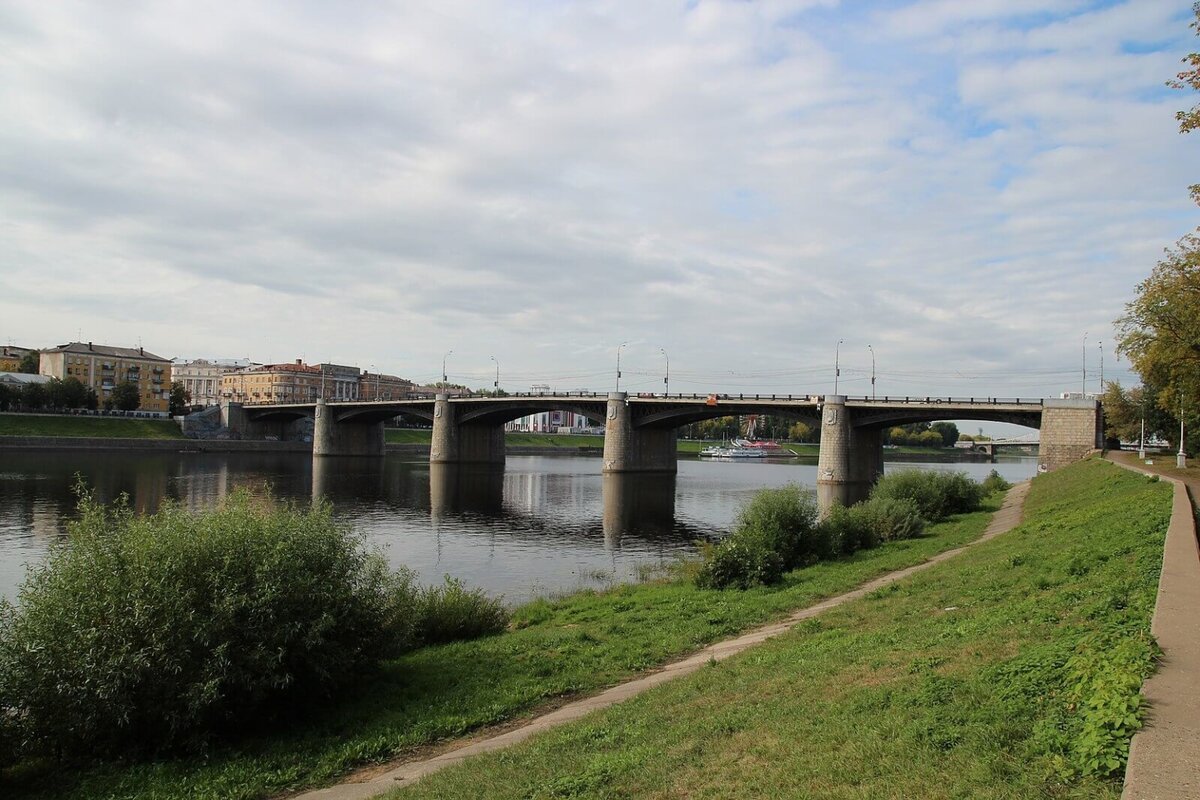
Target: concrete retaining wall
x=155 y=445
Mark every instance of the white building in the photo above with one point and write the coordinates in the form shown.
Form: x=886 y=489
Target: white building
x=201 y=378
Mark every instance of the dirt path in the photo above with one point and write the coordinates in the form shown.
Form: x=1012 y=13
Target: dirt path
x=1006 y=518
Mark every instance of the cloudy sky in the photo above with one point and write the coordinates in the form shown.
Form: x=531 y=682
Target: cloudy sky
x=968 y=187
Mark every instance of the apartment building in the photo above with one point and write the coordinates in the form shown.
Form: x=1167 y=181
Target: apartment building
x=376 y=386
x=273 y=383
x=202 y=377
x=102 y=367
x=10 y=357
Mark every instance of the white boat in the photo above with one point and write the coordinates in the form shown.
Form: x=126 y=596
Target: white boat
x=732 y=452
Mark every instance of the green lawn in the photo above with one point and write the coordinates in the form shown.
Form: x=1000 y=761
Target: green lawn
x=555 y=649
x=106 y=427
x=1008 y=672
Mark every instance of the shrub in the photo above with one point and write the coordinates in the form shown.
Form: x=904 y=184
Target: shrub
x=153 y=633
x=865 y=525
x=451 y=612
x=742 y=560
x=846 y=532
x=936 y=494
x=994 y=483
x=786 y=521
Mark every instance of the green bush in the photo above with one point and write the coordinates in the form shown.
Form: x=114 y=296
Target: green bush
x=149 y=633
x=741 y=560
x=994 y=483
x=865 y=525
x=786 y=520
x=936 y=494
x=451 y=612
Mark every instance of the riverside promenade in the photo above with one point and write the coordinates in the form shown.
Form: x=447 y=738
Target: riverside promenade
x=381 y=780
x=1164 y=757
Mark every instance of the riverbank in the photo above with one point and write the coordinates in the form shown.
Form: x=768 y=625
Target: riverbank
x=52 y=426
x=1010 y=671
x=555 y=650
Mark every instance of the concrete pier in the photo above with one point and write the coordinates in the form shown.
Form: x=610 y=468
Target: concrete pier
x=345 y=437
x=850 y=459
x=631 y=449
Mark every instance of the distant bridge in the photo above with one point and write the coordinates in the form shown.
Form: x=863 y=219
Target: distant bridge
x=641 y=431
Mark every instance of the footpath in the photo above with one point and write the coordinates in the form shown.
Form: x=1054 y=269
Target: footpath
x=1005 y=519
x=1164 y=757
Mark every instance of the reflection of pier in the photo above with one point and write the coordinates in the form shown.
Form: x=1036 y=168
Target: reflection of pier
x=638 y=504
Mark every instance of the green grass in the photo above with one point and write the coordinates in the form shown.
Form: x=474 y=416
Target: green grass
x=105 y=427
x=985 y=677
x=555 y=649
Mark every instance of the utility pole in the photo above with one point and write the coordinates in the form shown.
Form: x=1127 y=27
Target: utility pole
x=667 y=374
x=496 y=385
x=1181 y=456
x=872 y=349
x=1084 y=365
x=1101 y=346
x=448 y=354
x=837 y=364
x=622 y=344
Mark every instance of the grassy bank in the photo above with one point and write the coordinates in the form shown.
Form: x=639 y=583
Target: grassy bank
x=1010 y=671
x=553 y=650
x=99 y=427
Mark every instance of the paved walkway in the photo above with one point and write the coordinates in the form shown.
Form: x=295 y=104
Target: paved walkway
x=1164 y=758
x=1003 y=520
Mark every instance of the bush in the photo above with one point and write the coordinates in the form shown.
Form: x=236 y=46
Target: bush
x=994 y=483
x=452 y=612
x=742 y=560
x=786 y=521
x=153 y=633
x=937 y=494
x=865 y=525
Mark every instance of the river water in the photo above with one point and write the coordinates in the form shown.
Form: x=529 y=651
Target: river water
x=542 y=525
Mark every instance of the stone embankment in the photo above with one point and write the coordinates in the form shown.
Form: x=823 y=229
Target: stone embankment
x=151 y=445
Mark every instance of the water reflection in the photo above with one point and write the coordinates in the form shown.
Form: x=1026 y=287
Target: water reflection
x=541 y=524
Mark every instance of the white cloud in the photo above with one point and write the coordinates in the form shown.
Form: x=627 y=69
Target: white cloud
x=967 y=186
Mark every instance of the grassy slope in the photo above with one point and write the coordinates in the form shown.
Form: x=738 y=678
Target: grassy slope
x=561 y=648
x=109 y=428
x=948 y=685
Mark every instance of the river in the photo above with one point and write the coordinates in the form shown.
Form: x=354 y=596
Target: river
x=543 y=525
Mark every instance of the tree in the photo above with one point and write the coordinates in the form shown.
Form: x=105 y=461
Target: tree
x=800 y=432
x=180 y=397
x=125 y=396
x=8 y=396
x=33 y=396
x=947 y=430
x=30 y=363
x=1190 y=79
x=1160 y=332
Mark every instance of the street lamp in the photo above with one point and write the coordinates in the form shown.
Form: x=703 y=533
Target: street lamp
x=1181 y=456
x=1142 y=438
x=622 y=344
x=370 y=369
x=1101 y=346
x=448 y=354
x=872 y=349
x=837 y=368
x=496 y=385
x=667 y=374
x=1084 y=365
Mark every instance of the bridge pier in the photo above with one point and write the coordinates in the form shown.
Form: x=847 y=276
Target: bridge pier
x=238 y=422
x=850 y=459
x=631 y=449
x=333 y=437
x=1070 y=430
x=453 y=443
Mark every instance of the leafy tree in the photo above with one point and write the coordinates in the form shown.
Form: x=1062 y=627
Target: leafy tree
x=1190 y=79
x=947 y=430
x=34 y=396
x=69 y=393
x=8 y=396
x=30 y=363
x=800 y=432
x=91 y=402
x=180 y=397
x=126 y=397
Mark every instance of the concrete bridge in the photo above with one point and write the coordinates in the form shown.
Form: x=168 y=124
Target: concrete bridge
x=640 y=431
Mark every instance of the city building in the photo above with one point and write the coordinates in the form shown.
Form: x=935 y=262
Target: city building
x=339 y=382
x=102 y=367
x=201 y=378
x=376 y=386
x=11 y=356
x=273 y=383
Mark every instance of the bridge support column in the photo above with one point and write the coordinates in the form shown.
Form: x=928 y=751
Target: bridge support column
x=332 y=437
x=1071 y=429
x=850 y=459
x=235 y=418
x=453 y=443
x=630 y=449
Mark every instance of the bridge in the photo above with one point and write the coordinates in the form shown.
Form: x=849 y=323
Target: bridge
x=641 y=431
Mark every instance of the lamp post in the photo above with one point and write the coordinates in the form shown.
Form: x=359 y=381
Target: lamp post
x=1101 y=346
x=837 y=368
x=667 y=373
x=496 y=385
x=447 y=355
x=1084 y=394
x=872 y=349
x=622 y=344
x=370 y=369
x=1142 y=438
x=1181 y=456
